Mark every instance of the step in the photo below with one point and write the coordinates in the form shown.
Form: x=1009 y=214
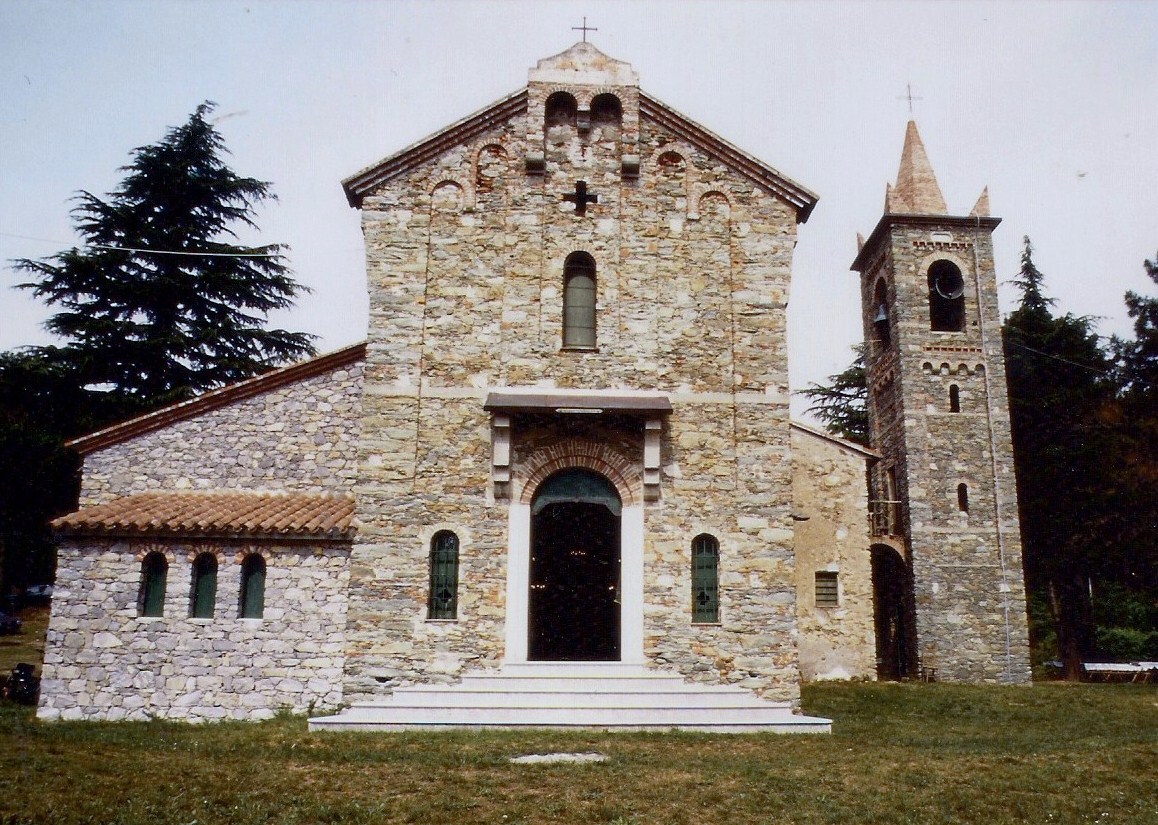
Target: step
x=561 y=698
x=601 y=695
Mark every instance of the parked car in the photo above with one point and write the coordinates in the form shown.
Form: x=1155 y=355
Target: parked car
x=9 y=624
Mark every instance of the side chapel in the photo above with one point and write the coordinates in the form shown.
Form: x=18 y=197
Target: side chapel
x=558 y=483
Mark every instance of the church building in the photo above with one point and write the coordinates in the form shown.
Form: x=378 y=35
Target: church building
x=558 y=484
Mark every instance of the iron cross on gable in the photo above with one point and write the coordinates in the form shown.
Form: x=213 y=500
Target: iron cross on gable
x=584 y=28
x=580 y=197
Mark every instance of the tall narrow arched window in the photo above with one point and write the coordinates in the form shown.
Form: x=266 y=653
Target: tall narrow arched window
x=954 y=398
x=203 y=593
x=252 y=604
x=705 y=579
x=154 y=571
x=962 y=498
x=443 y=600
x=579 y=301
x=946 y=297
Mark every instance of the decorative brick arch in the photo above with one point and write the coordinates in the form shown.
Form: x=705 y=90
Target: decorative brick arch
x=589 y=455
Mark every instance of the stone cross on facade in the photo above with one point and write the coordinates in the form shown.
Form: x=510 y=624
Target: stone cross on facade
x=584 y=28
x=580 y=197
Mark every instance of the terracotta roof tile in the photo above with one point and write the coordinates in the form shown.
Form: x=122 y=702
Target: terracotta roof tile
x=221 y=513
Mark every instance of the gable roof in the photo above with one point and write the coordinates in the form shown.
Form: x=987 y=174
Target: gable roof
x=844 y=443
x=362 y=183
x=219 y=514
x=216 y=399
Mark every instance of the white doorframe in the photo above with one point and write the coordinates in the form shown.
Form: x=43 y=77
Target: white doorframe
x=631 y=531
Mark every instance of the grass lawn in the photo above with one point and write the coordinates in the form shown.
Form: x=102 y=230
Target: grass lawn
x=911 y=753
x=28 y=644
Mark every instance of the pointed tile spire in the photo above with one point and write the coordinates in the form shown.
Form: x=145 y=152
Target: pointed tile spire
x=981 y=208
x=890 y=200
x=917 y=192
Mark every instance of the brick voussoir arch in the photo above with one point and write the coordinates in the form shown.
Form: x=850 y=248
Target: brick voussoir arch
x=588 y=455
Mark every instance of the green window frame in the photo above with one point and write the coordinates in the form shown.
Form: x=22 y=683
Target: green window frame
x=203 y=593
x=252 y=587
x=705 y=579
x=443 y=598
x=579 y=297
x=154 y=572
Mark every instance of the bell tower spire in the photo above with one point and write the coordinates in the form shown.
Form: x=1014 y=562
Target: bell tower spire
x=916 y=192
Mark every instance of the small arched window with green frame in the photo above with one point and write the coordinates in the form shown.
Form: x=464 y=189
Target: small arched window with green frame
x=154 y=572
x=705 y=579
x=443 y=599
x=252 y=587
x=203 y=593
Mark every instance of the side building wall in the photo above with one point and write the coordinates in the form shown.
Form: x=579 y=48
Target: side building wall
x=830 y=507
x=103 y=661
x=301 y=436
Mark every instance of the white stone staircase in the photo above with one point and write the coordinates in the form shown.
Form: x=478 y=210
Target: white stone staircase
x=601 y=695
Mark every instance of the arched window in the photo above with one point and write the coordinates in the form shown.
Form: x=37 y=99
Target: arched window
x=252 y=604
x=443 y=600
x=154 y=572
x=705 y=579
x=203 y=593
x=579 y=301
x=954 y=398
x=962 y=498
x=946 y=297
x=561 y=109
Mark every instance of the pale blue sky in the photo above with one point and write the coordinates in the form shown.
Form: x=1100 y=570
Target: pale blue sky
x=1054 y=106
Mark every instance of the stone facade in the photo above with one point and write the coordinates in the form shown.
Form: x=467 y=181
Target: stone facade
x=103 y=661
x=939 y=415
x=299 y=436
x=465 y=260
x=830 y=508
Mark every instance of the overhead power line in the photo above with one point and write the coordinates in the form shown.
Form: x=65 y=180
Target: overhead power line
x=149 y=251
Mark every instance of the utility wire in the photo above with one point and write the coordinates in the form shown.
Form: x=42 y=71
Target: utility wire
x=150 y=251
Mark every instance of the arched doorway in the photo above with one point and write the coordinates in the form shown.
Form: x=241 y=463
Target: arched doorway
x=574 y=600
x=893 y=614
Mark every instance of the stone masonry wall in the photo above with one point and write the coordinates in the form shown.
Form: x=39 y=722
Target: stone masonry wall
x=465 y=261
x=967 y=571
x=830 y=504
x=105 y=662
x=302 y=436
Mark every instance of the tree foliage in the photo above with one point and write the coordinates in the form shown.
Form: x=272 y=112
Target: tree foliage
x=162 y=303
x=1062 y=415
x=841 y=403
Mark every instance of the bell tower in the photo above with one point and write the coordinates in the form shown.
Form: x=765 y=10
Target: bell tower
x=944 y=497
